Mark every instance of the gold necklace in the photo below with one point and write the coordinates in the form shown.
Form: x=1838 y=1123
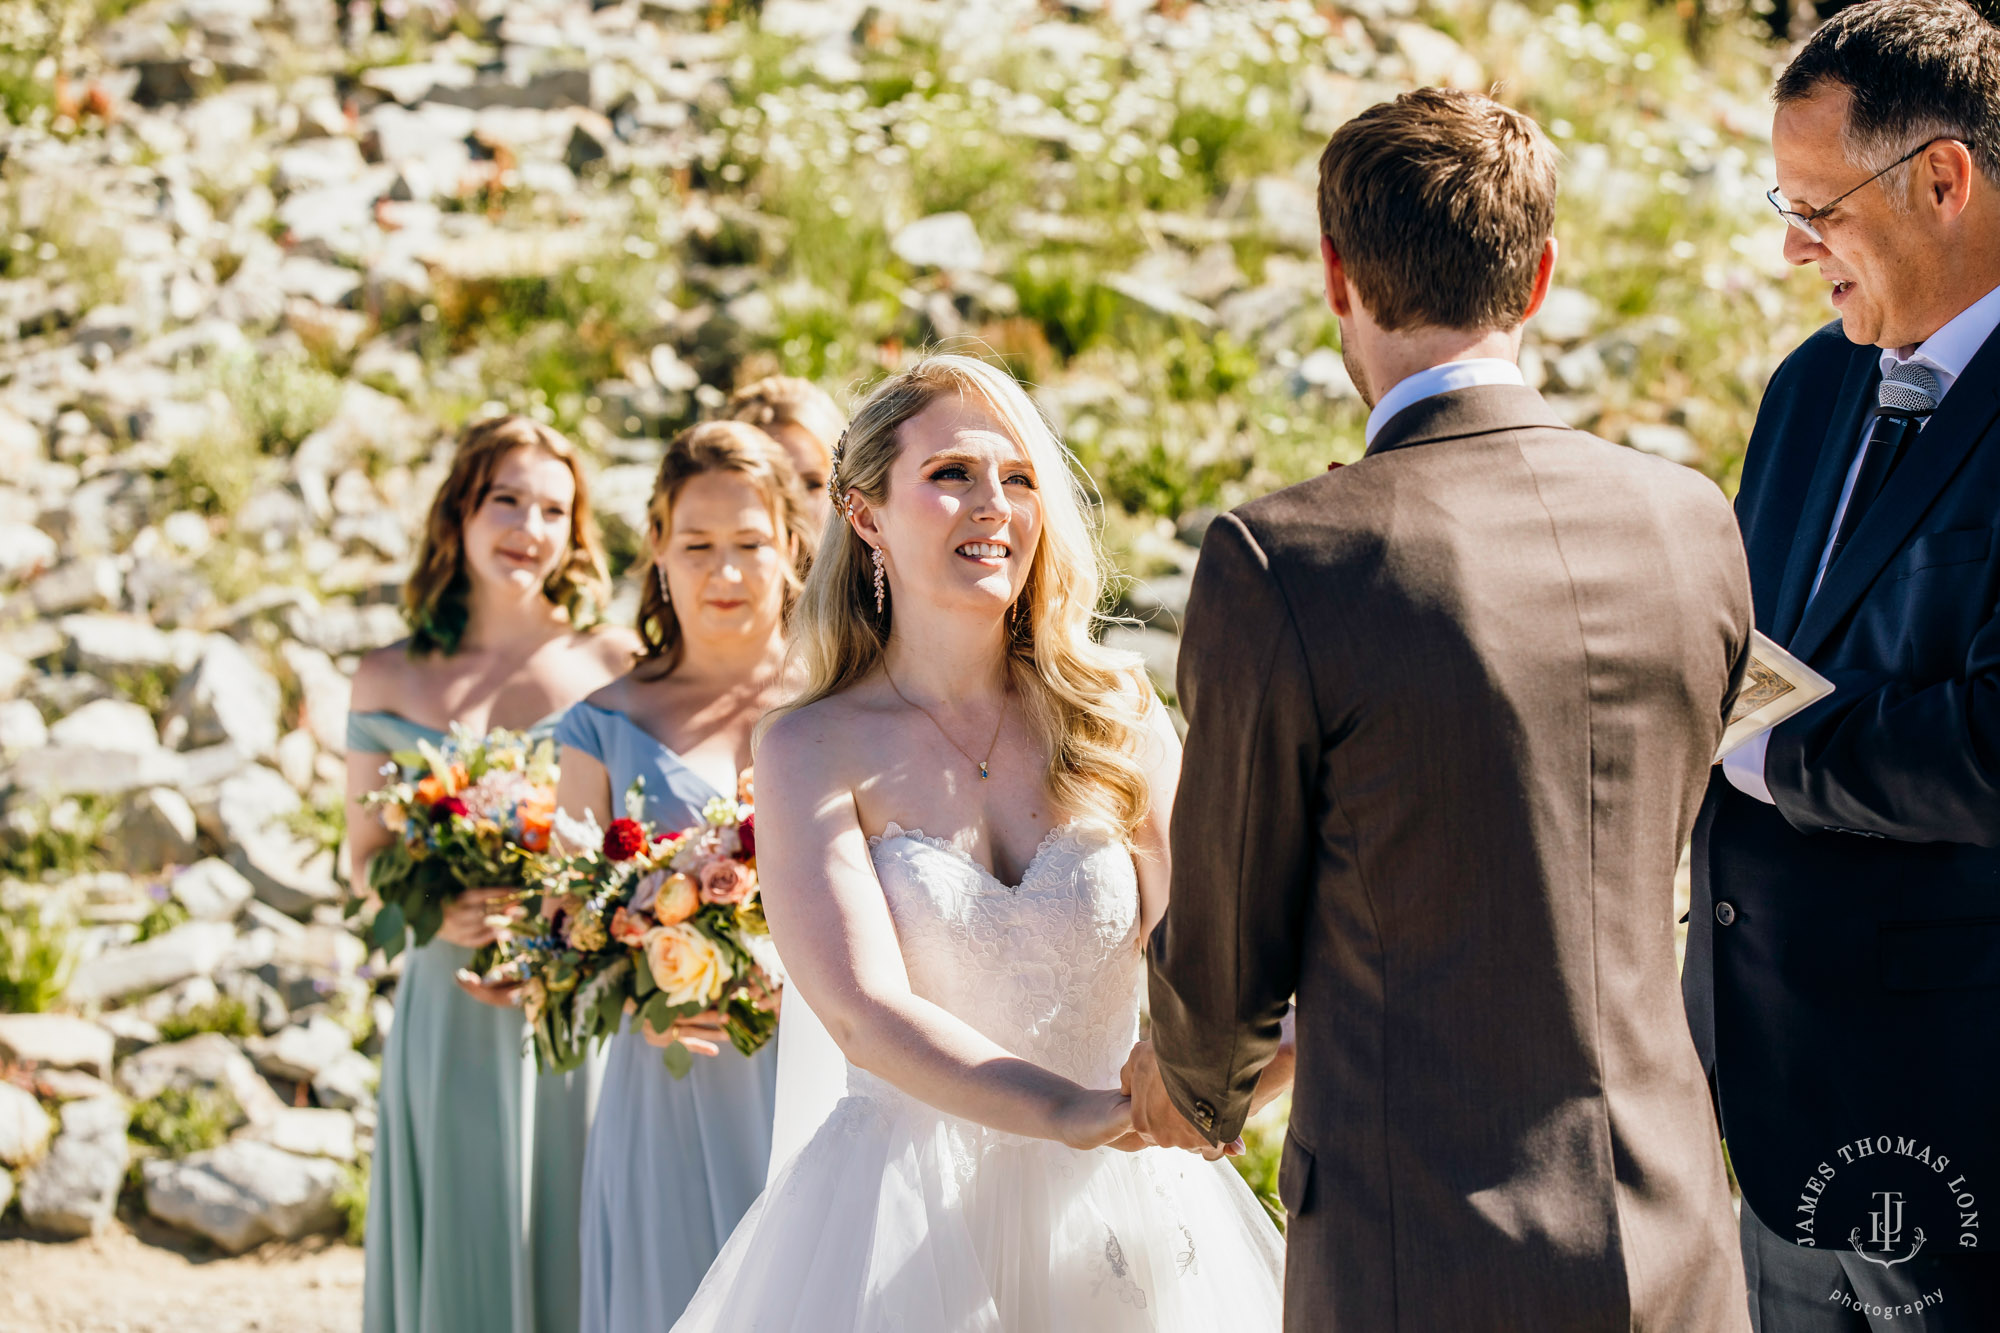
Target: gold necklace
x=983 y=772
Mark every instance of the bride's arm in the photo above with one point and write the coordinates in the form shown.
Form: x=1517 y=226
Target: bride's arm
x=832 y=926
x=1160 y=753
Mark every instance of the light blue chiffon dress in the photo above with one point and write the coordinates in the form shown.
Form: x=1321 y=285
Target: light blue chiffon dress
x=673 y=1164
x=477 y=1176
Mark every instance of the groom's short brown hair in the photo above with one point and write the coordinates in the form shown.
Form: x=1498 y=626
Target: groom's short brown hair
x=1438 y=204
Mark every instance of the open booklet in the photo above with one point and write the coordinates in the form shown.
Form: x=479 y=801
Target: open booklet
x=1775 y=686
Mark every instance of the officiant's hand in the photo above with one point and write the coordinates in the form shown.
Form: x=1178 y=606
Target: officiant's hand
x=475 y=918
x=1155 y=1118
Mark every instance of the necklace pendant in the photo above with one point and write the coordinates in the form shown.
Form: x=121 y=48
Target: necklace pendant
x=983 y=774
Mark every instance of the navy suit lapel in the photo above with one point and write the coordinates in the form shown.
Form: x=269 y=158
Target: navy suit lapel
x=1836 y=456
x=1934 y=458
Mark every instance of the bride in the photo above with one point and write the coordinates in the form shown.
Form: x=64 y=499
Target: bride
x=962 y=833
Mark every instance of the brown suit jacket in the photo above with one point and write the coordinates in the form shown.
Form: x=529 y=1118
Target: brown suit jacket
x=1451 y=712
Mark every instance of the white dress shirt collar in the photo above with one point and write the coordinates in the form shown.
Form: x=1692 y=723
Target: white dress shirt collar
x=1949 y=349
x=1436 y=380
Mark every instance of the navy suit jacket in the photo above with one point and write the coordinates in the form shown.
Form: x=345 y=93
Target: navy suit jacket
x=1843 y=969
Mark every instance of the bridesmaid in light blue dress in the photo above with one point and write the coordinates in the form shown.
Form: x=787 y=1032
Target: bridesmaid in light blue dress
x=673 y=1164
x=474 y=1194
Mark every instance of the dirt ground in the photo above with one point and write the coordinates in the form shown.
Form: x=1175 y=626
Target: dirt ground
x=155 y=1281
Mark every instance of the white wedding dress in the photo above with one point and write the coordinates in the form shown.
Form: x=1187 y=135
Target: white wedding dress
x=897 y=1218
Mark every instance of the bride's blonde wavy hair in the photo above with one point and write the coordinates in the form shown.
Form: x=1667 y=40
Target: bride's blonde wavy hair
x=1084 y=700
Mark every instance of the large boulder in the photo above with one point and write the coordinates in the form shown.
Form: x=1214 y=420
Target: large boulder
x=227 y=697
x=299 y=1052
x=24 y=1126
x=56 y=1041
x=253 y=812
x=211 y=890
x=245 y=1193
x=74 y=1189
x=107 y=724
x=207 y=1062
x=154 y=829
x=347 y=1082
x=115 y=643
x=191 y=950
x=309 y=1131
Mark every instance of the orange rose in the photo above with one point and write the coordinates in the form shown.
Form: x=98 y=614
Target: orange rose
x=679 y=899
x=537 y=819
x=628 y=928
x=431 y=790
x=458 y=778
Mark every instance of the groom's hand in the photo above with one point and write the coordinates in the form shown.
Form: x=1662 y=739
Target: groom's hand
x=1155 y=1118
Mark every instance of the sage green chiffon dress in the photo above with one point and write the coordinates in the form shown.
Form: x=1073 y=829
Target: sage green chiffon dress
x=473 y=1205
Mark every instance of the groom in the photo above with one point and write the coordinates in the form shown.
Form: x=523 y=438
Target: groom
x=1453 y=710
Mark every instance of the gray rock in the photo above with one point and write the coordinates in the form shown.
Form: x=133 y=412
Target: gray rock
x=325 y=694
x=1579 y=370
x=107 y=724
x=6 y=1189
x=1324 y=370
x=545 y=90
x=243 y=1193
x=945 y=241
x=308 y=1131
x=316 y=163
x=112 y=643
x=261 y=998
x=208 y=1061
x=56 y=1041
x=298 y=1053
x=25 y=1127
x=59 y=770
x=153 y=829
x=74 y=1189
x=315 y=280
x=1663 y=440
x=348 y=1082
x=132 y=1032
x=22 y=447
x=90 y=583
x=211 y=890
x=338 y=630
x=21 y=727
x=1160 y=298
x=285 y=870
x=1567 y=315
x=25 y=551
x=227 y=697
x=1157 y=648
x=186 y=951
x=298 y=759
x=1289 y=212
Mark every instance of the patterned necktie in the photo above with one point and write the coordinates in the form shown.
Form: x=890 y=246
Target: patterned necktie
x=1909 y=393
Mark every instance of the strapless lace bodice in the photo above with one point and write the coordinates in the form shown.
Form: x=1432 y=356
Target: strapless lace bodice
x=1050 y=968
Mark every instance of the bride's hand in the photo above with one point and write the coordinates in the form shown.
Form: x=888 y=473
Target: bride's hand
x=1094 y=1117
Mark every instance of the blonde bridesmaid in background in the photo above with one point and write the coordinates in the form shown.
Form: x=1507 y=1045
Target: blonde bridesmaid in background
x=472 y=1210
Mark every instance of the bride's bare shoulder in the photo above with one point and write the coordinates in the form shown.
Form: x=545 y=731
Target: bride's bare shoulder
x=820 y=741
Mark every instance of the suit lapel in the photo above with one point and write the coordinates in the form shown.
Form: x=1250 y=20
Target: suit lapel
x=1836 y=456
x=1935 y=456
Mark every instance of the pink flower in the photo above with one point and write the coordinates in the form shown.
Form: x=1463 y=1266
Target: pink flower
x=629 y=928
x=727 y=881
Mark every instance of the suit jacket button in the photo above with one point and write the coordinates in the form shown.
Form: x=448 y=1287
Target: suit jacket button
x=1206 y=1114
x=1725 y=913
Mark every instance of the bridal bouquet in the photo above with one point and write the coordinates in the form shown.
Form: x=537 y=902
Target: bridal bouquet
x=474 y=812
x=665 y=925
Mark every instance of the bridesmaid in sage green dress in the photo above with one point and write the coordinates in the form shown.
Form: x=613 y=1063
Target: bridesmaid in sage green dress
x=473 y=1203
x=673 y=1164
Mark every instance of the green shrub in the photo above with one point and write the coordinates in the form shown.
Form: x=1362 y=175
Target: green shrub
x=176 y=1123
x=225 y=1014
x=352 y=1201
x=280 y=400
x=44 y=840
x=38 y=947
x=166 y=913
x=1264 y=1149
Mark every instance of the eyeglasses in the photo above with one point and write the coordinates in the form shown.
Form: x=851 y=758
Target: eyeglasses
x=1804 y=221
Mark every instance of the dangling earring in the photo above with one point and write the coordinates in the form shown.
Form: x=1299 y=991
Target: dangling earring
x=665 y=596
x=1013 y=618
x=879 y=594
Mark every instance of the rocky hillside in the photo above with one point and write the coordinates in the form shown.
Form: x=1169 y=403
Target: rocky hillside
x=259 y=259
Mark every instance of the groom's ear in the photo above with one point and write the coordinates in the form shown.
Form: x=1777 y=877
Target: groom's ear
x=1339 y=296
x=1545 y=274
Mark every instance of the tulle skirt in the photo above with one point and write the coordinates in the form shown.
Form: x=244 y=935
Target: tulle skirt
x=897 y=1219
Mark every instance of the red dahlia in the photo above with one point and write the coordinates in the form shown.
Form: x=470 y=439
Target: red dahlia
x=746 y=833
x=624 y=839
x=448 y=807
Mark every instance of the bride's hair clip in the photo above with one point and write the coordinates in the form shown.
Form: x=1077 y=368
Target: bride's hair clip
x=833 y=486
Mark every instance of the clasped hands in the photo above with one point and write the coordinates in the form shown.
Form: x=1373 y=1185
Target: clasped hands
x=1156 y=1121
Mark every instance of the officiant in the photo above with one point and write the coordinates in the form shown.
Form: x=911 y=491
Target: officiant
x=1844 y=941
